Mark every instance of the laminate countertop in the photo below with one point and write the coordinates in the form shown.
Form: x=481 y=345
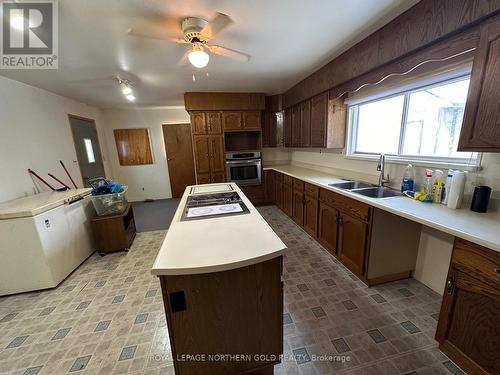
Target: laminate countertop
x=39 y=203
x=480 y=228
x=217 y=243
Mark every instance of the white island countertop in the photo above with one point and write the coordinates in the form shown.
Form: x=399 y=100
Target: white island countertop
x=216 y=243
x=480 y=228
x=39 y=203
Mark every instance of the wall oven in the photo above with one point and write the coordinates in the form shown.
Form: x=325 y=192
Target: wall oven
x=243 y=168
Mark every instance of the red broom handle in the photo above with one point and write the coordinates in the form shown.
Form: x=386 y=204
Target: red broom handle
x=71 y=178
x=41 y=179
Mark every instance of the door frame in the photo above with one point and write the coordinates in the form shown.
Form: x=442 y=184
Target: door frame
x=163 y=126
x=76 y=117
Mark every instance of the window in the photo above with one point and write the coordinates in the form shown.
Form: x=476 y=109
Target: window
x=89 y=149
x=420 y=124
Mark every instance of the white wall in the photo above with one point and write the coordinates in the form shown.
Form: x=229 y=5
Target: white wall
x=144 y=181
x=35 y=133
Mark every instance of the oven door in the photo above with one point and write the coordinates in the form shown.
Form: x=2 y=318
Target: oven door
x=244 y=172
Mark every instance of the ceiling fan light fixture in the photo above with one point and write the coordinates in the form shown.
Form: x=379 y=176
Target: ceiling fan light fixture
x=130 y=97
x=198 y=58
x=126 y=89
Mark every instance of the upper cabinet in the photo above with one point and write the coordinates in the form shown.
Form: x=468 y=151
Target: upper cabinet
x=318 y=122
x=241 y=120
x=252 y=120
x=481 y=125
x=198 y=123
x=203 y=123
x=214 y=122
x=232 y=120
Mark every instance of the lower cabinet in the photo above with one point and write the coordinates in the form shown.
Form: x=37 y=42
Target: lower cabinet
x=298 y=206
x=352 y=239
x=328 y=227
x=311 y=207
x=254 y=193
x=469 y=322
x=287 y=195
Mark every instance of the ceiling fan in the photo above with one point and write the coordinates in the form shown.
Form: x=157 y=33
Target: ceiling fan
x=199 y=32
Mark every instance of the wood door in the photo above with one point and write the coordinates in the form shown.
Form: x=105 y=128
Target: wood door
x=319 y=116
x=311 y=215
x=481 y=125
x=234 y=312
x=298 y=207
x=305 y=124
x=296 y=132
x=88 y=150
x=198 y=123
x=287 y=127
x=328 y=227
x=201 y=154
x=352 y=243
x=469 y=323
x=216 y=151
x=232 y=120
x=214 y=122
x=180 y=160
x=252 y=120
x=287 y=199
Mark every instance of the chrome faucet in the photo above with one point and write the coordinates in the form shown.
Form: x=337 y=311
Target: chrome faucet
x=382 y=179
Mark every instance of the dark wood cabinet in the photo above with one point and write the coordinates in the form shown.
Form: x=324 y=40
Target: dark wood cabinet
x=202 y=154
x=198 y=123
x=272 y=129
x=481 y=124
x=214 y=122
x=114 y=232
x=311 y=206
x=328 y=227
x=336 y=124
x=252 y=120
x=228 y=313
x=287 y=204
x=278 y=185
x=319 y=118
x=232 y=120
x=209 y=158
x=469 y=322
x=287 y=127
x=269 y=186
x=296 y=132
x=352 y=249
x=305 y=124
x=298 y=207
x=216 y=151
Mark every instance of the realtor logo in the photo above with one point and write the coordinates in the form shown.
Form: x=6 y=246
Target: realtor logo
x=29 y=34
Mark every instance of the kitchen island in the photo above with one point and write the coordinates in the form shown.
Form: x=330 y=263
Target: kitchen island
x=221 y=283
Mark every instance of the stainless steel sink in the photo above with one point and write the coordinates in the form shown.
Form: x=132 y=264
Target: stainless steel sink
x=350 y=185
x=377 y=192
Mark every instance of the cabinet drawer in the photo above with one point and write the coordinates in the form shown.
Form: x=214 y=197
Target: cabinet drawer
x=298 y=185
x=287 y=180
x=477 y=261
x=311 y=190
x=347 y=205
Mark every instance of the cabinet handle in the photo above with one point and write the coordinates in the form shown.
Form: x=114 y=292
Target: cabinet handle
x=450 y=284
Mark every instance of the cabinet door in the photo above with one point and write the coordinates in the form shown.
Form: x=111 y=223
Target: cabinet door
x=352 y=243
x=216 y=147
x=198 y=123
x=202 y=154
x=296 y=135
x=232 y=120
x=287 y=128
x=311 y=215
x=328 y=227
x=214 y=122
x=278 y=184
x=336 y=123
x=217 y=177
x=481 y=124
x=287 y=199
x=270 y=189
x=277 y=131
x=305 y=124
x=203 y=178
x=469 y=323
x=252 y=120
x=298 y=207
x=319 y=116
x=266 y=129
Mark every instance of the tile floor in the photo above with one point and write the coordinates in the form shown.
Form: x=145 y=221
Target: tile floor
x=107 y=317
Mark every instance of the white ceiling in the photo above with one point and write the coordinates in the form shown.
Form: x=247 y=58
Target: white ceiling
x=287 y=39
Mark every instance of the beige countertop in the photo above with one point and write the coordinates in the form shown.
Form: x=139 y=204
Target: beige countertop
x=39 y=203
x=216 y=244
x=480 y=228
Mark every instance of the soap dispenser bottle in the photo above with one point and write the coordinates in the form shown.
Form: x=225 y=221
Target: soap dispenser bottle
x=408 y=179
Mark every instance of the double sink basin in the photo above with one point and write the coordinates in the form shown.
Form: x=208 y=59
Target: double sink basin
x=368 y=190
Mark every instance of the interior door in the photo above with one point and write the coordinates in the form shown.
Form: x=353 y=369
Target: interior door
x=180 y=160
x=87 y=148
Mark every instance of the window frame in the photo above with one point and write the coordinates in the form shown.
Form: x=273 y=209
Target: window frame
x=473 y=163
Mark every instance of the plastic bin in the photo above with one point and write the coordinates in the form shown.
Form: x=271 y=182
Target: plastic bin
x=110 y=204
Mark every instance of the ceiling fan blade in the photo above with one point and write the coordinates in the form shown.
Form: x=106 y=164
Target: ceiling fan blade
x=133 y=33
x=218 y=23
x=228 y=52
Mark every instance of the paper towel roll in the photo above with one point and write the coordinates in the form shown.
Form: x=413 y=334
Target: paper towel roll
x=457 y=189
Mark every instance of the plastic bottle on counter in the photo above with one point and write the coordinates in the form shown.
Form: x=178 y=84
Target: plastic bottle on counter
x=437 y=186
x=456 y=190
x=447 y=186
x=408 y=179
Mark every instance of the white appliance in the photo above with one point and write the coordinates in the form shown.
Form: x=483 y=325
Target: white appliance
x=45 y=237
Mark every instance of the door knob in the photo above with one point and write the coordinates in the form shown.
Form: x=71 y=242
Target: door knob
x=170 y=159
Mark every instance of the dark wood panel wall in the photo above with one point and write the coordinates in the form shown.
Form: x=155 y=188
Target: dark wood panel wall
x=220 y=101
x=426 y=23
